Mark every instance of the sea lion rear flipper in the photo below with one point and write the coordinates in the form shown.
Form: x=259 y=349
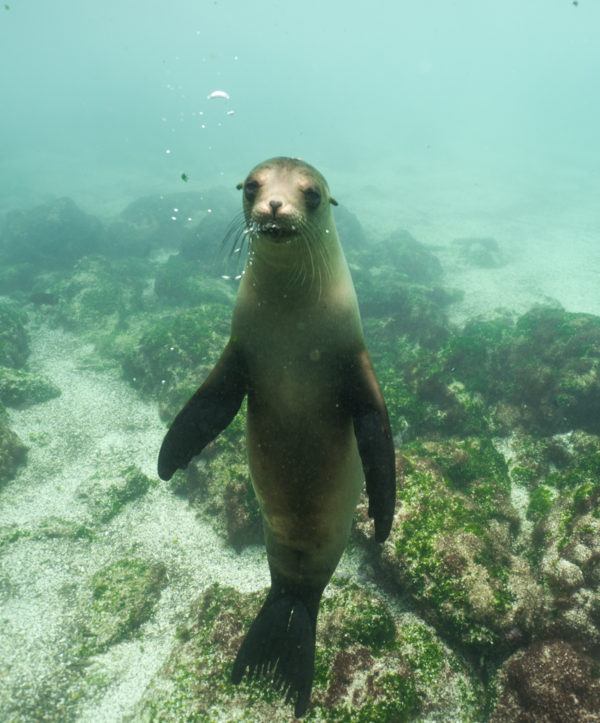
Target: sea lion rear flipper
x=280 y=644
x=207 y=413
x=375 y=443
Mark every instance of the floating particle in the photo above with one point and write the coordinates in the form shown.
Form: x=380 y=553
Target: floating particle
x=184 y=177
x=176 y=210
x=189 y=218
x=227 y=278
x=230 y=112
x=168 y=151
x=238 y=277
x=173 y=218
x=218 y=94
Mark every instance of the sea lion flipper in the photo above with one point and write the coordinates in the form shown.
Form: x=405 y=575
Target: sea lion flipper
x=207 y=413
x=280 y=644
x=375 y=443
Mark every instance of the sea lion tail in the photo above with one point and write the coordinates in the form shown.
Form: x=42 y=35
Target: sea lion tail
x=280 y=644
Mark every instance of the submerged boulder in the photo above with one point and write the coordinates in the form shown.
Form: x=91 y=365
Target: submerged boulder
x=549 y=681
x=545 y=367
x=20 y=388
x=452 y=546
x=370 y=665
x=118 y=600
x=53 y=235
x=14 y=340
x=13 y=453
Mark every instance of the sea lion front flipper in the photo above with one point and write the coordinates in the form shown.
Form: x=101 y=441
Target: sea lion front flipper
x=374 y=439
x=207 y=413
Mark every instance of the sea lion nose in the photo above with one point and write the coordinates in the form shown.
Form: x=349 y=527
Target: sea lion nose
x=275 y=205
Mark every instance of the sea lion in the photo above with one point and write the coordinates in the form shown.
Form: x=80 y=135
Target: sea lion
x=317 y=424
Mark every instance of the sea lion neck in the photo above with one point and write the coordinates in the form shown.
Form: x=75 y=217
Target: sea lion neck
x=300 y=270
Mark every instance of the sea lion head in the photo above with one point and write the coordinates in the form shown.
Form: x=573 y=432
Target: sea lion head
x=285 y=198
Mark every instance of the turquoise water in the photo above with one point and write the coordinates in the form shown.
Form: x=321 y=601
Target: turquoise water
x=460 y=135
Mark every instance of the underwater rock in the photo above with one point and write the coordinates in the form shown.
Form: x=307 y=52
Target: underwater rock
x=174 y=351
x=183 y=282
x=422 y=396
x=484 y=253
x=99 y=294
x=208 y=243
x=107 y=497
x=452 y=546
x=167 y=220
x=546 y=366
x=19 y=388
x=562 y=474
x=53 y=235
x=411 y=309
x=119 y=599
x=349 y=228
x=549 y=681
x=220 y=488
x=14 y=341
x=13 y=453
x=48 y=528
x=408 y=257
x=371 y=665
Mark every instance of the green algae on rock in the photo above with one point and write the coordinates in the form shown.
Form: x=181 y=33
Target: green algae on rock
x=176 y=346
x=52 y=235
x=13 y=453
x=48 y=528
x=107 y=497
x=20 y=388
x=398 y=671
x=14 y=340
x=452 y=545
x=119 y=599
x=181 y=281
x=546 y=365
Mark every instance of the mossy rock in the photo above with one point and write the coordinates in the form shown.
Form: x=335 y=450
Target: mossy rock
x=407 y=670
x=14 y=341
x=106 y=498
x=172 y=220
x=48 y=528
x=548 y=681
x=99 y=294
x=52 y=235
x=181 y=281
x=546 y=365
x=452 y=546
x=177 y=348
x=13 y=453
x=119 y=599
x=220 y=487
x=20 y=388
x=422 y=397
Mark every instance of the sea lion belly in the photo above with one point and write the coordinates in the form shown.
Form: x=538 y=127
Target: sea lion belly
x=304 y=461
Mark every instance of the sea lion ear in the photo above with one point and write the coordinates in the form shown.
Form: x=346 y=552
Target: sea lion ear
x=332 y=201
x=240 y=186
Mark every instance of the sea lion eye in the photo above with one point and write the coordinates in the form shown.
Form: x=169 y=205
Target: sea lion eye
x=251 y=189
x=312 y=197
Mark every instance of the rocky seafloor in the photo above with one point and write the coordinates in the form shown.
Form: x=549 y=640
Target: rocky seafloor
x=125 y=598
